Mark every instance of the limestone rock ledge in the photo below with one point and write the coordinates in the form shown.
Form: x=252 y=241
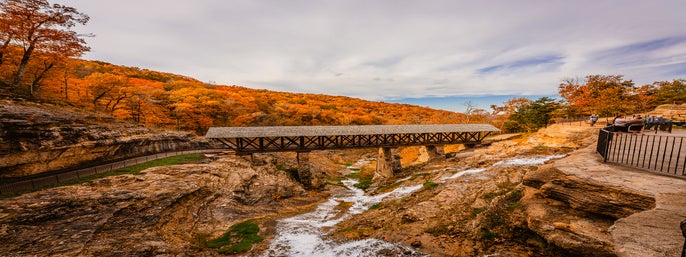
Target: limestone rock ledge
x=163 y=212
x=34 y=139
x=592 y=208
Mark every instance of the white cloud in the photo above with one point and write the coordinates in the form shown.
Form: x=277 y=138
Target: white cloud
x=391 y=48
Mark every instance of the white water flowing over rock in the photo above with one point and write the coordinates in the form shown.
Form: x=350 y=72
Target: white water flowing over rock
x=537 y=160
x=462 y=173
x=305 y=234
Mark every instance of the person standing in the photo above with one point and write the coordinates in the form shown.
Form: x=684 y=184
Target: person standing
x=649 y=122
x=658 y=122
x=594 y=119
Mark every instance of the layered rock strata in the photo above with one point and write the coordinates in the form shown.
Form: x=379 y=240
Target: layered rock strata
x=597 y=209
x=35 y=140
x=165 y=211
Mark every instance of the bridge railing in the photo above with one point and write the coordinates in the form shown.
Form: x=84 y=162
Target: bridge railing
x=51 y=180
x=660 y=153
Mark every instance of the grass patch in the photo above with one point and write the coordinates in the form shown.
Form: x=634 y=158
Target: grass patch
x=491 y=195
x=430 y=184
x=238 y=239
x=476 y=211
x=363 y=185
x=174 y=160
x=506 y=185
x=514 y=206
x=133 y=170
x=363 y=177
x=354 y=175
x=423 y=175
x=375 y=206
x=541 y=147
x=488 y=234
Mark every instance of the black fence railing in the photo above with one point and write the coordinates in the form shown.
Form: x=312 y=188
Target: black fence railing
x=665 y=154
x=572 y=121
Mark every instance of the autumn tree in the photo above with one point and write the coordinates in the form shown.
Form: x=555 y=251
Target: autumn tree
x=602 y=94
x=532 y=116
x=38 y=26
x=673 y=92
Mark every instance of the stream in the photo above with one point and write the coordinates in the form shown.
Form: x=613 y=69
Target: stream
x=305 y=234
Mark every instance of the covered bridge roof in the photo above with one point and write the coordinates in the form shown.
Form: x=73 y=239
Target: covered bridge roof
x=307 y=131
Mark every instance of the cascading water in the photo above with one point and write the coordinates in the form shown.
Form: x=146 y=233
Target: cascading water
x=305 y=234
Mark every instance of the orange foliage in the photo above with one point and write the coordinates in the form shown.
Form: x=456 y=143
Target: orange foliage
x=172 y=101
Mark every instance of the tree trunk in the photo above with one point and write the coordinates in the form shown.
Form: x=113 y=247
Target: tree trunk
x=4 y=48
x=34 y=83
x=22 y=65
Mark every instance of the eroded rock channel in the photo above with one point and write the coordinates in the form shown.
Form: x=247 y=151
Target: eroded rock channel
x=507 y=199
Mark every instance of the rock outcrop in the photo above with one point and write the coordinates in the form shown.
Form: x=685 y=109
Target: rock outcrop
x=574 y=206
x=34 y=139
x=597 y=209
x=476 y=214
x=673 y=112
x=165 y=211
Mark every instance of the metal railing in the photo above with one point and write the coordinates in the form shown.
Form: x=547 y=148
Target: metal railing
x=659 y=153
x=572 y=121
x=55 y=179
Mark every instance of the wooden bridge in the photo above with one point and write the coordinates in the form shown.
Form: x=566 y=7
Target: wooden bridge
x=303 y=139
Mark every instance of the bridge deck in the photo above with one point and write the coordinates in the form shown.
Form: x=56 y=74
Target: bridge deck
x=246 y=140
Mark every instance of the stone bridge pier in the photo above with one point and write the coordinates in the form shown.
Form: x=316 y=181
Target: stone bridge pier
x=388 y=161
x=431 y=152
x=309 y=178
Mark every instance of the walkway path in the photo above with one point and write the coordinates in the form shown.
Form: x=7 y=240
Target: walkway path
x=35 y=182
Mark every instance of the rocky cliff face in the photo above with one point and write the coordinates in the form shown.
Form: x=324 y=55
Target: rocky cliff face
x=575 y=213
x=593 y=208
x=164 y=211
x=34 y=139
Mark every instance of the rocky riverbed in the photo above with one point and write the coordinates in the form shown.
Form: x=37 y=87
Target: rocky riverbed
x=490 y=201
x=164 y=211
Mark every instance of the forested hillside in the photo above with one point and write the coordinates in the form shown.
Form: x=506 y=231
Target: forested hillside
x=172 y=101
x=38 y=61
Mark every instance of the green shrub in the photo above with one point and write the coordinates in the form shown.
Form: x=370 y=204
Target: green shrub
x=488 y=234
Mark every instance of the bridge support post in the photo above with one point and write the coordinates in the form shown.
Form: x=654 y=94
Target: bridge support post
x=304 y=170
x=387 y=163
x=430 y=152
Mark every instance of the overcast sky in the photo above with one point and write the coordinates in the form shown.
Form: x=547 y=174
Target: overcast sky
x=392 y=49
